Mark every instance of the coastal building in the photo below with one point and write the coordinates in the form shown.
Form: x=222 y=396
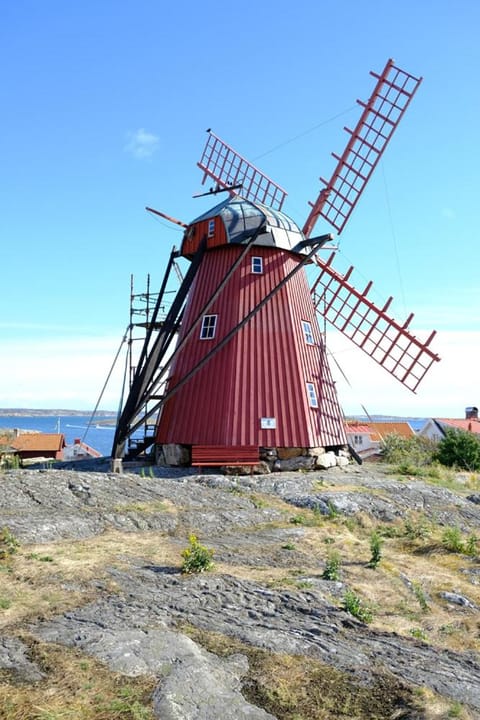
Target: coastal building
x=366 y=438
x=435 y=428
x=80 y=451
x=33 y=445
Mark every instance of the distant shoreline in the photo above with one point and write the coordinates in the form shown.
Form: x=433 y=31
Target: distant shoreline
x=29 y=412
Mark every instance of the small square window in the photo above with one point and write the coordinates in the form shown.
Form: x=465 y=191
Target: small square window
x=307 y=332
x=209 y=324
x=257 y=265
x=211 y=228
x=312 y=395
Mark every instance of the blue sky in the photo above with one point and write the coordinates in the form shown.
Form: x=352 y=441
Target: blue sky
x=105 y=107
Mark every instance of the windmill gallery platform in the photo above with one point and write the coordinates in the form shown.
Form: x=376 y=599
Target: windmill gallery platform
x=236 y=371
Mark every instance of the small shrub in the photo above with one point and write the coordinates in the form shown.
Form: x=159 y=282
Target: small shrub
x=332 y=566
x=376 y=544
x=452 y=540
x=288 y=546
x=196 y=558
x=410 y=454
x=459 y=449
x=298 y=520
x=8 y=544
x=416 y=529
x=354 y=605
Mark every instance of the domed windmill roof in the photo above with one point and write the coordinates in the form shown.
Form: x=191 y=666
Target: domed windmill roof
x=242 y=218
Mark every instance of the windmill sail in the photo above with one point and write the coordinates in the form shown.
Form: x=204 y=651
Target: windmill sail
x=382 y=113
x=229 y=169
x=370 y=328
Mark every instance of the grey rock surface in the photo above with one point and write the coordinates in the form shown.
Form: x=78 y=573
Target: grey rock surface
x=287 y=622
x=14 y=658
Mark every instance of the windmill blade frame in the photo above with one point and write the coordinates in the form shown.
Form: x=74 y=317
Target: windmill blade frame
x=389 y=343
x=380 y=118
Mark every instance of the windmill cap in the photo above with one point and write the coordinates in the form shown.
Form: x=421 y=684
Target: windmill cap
x=236 y=220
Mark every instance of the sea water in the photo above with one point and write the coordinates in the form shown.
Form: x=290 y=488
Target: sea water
x=97 y=434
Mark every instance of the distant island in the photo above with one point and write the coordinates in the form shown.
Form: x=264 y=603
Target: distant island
x=29 y=412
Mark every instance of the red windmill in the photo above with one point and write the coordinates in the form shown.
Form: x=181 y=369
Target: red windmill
x=249 y=367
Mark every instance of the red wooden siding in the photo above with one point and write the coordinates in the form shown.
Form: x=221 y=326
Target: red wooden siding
x=263 y=370
x=197 y=231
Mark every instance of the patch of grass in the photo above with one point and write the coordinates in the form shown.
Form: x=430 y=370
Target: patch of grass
x=418 y=633
x=153 y=506
x=303 y=584
x=332 y=511
x=288 y=546
x=455 y=710
x=294 y=687
x=74 y=688
x=258 y=502
x=5 y=603
x=40 y=558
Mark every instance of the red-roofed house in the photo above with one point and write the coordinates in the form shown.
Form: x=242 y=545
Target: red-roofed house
x=366 y=439
x=80 y=451
x=35 y=445
x=435 y=428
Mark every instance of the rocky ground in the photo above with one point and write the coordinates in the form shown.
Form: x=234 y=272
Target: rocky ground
x=98 y=570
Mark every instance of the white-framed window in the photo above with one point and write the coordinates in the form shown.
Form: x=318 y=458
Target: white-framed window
x=257 y=265
x=307 y=332
x=211 y=227
x=209 y=325
x=358 y=439
x=312 y=395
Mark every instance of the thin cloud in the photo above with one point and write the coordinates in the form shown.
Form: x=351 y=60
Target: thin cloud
x=141 y=144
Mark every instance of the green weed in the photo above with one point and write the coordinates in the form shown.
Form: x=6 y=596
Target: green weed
x=376 y=544
x=332 y=566
x=452 y=540
x=8 y=544
x=354 y=605
x=420 y=595
x=418 y=633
